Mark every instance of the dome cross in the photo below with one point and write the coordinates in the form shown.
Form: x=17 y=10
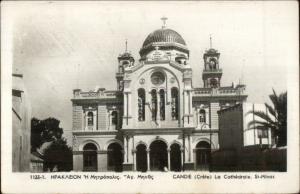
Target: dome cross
x=164 y=19
x=210 y=41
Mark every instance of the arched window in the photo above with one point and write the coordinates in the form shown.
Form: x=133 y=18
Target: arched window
x=141 y=104
x=162 y=104
x=177 y=59
x=121 y=69
x=114 y=118
x=154 y=105
x=121 y=85
x=125 y=64
x=213 y=83
x=202 y=116
x=212 y=64
x=90 y=118
x=174 y=103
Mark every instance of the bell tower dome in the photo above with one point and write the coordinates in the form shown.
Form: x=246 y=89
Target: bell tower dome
x=212 y=73
x=124 y=60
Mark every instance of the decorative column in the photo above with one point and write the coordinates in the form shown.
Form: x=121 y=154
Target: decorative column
x=133 y=150
x=125 y=109
x=126 y=149
x=129 y=104
x=185 y=103
x=197 y=118
x=207 y=121
x=94 y=120
x=84 y=123
x=189 y=102
x=109 y=120
x=169 y=159
x=189 y=143
x=130 y=148
x=181 y=151
x=158 y=108
x=148 y=159
x=134 y=161
x=185 y=109
x=269 y=137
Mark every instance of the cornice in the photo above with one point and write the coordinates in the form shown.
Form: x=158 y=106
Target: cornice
x=98 y=132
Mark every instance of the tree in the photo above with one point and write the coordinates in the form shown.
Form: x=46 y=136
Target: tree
x=35 y=138
x=57 y=152
x=44 y=131
x=58 y=155
x=275 y=118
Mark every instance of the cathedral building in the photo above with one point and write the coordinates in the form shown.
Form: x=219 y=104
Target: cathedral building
x=155 y=120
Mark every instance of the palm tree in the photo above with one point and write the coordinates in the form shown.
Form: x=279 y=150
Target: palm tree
x=275 y=118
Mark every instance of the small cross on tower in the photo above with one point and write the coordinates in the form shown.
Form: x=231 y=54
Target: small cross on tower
x=164 y=19
x=210 y=41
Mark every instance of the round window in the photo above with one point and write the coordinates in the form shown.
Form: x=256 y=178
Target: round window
x=157 y=78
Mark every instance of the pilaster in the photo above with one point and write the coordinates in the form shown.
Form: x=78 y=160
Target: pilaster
x=169 y=159
x=102 y=161
x=158 y=108
x=148 y=159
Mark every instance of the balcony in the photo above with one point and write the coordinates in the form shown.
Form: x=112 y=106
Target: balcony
x=101 y=93
x=222 y=91
x=206 y=71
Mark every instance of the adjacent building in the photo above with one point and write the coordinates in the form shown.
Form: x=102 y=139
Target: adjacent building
x=238 y=129
x=155 y=120
x=20 y=126
x=36 y=162
x=244 y=142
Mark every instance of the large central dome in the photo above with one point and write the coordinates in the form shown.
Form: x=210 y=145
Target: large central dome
x=165 y=39
x=164 y=35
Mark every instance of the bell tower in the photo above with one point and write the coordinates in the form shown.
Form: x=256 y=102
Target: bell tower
x=125 y=60
x=212 y=73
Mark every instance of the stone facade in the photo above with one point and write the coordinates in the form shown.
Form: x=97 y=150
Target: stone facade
x=155 y=120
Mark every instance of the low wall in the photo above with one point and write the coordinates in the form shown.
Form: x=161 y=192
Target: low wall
x=225 y=160
x=249 y=159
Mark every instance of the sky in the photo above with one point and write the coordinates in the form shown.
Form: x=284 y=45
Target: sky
x=61 y=46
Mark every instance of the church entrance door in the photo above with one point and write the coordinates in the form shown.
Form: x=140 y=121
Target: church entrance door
x=158 y=156
x=114 y=157
x=202 y=155
x=175 y=157
x=141 y=158
x=89 y=157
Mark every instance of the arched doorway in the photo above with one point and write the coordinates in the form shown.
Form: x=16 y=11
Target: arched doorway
x=89 y=157
x=202 y=155
x=141 y=158
x=158 y=156
x=114 y=157
x=175 y=157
